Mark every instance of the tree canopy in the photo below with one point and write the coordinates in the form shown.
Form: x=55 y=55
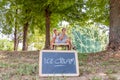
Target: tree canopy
x=44 y=15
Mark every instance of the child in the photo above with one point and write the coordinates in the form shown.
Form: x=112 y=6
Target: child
x=55 y=38
x=54 y=35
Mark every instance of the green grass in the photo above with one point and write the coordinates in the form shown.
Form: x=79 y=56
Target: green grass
x=27 y=69
x=25 y=66
x=110 y=71
x=105 y=63
x=3 y=65
x=96 y=78
x=24 y=69
x=82 y=57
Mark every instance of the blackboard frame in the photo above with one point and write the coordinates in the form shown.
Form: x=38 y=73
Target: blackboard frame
x=62 y=51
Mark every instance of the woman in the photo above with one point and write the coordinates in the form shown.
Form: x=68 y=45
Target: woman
x=63 y=36
x=64 y=39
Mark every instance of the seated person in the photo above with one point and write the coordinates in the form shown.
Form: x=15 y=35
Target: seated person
x=62 y=38
x=54 y=37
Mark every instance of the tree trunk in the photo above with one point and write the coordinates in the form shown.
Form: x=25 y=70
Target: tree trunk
x=25 y=30
x=47 y=39
x=15 y=39
x=114 y=35
x=15 y=35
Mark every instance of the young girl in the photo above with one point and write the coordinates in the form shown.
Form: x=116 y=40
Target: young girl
x=55 y=38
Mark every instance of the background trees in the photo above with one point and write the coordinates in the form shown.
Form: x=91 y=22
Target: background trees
x=22 y=20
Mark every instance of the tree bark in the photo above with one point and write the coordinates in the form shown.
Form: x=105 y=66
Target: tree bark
x=25 y=30
x=114 y=35
x=47 y=17
x=15 y=35
x=15 y=39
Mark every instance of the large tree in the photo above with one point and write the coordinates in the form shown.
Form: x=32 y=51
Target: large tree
x=49 y=8
x=10 y=20
x=114 y=35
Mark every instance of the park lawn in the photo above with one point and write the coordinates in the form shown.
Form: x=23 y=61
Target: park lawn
x=94 y=66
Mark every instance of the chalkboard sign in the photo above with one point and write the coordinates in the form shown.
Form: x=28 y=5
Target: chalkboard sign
x=58 y=63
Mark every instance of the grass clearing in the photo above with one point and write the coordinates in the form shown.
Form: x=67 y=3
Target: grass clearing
x=27 y=69
x=24 y=66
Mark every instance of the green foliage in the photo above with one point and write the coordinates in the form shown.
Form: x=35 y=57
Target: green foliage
x=36 y=40
x=6 y=44
x=88 y=39
x=88 y=11
x=98 y=11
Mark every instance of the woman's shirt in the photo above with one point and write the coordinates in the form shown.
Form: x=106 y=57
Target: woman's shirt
x=57 y=40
